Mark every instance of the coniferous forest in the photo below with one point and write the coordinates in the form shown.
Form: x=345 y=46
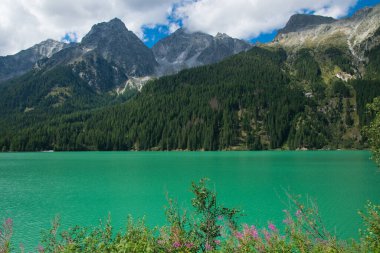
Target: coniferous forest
x=261 y=99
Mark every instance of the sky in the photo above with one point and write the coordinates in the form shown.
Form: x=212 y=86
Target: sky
x=24 y=23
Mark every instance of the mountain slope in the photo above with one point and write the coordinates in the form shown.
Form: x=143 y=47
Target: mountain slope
x=306 y=90
x=81 y=76
x=300 y=22
x=20 y=63
x=183 y=49
x=249 y=101
x=356 y=34
x=106 y=57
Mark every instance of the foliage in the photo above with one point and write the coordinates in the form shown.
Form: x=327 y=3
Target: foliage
x=339 y=58
x=209 y=212
x=307 y=68
x=372 y=131
x=248 y=101
x=366 y=91
x=373 y=68
x=5 y=236
x=211 y=229
x=371 y=235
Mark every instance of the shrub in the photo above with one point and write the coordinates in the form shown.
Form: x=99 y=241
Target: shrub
x=211 y=228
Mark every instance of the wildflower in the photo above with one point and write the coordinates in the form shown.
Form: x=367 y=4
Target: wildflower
x=253 y=232
x=266 y=235
x=220 y=217
x=9 y=222
x=239 y=235
x=176 y=244
x=246 y=230
x=208 y=246
x=40 y=249
x=189 y=245
x=272 y=227
x=298 y=213
x=217 y=242
x=287 y=221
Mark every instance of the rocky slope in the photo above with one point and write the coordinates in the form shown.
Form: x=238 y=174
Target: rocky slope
x=22 y=62
x=300 y=22
x=183 y=49
x=358 y=33
x=106 y=57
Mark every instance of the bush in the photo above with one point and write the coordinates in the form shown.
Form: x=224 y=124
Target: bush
x=211 y=228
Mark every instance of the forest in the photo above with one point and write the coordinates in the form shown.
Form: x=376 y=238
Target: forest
x=256 y=100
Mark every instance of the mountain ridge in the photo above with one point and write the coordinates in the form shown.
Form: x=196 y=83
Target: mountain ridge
x=183 y=49
x=21 y=62
x=306 y=90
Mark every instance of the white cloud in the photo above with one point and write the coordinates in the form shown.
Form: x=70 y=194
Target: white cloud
x=173 y=27
x=24 y=23
x=249 y=18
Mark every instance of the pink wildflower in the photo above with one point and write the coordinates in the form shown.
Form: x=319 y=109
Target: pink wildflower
x=9 y=222
x=298 y=213
x=176 y=244
x=266 y=235
x=239 y=235
x=189 y=245
x=253 y=232
x=246 y=230
x=208 y=246
x=40 y=249
x=220 y=217
x=217 y=242
x=272 y=227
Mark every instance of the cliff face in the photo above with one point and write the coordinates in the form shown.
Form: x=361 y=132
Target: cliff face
x=183 y=50
x=20 y=63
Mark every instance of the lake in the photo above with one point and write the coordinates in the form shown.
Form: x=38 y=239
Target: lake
x=84 y=187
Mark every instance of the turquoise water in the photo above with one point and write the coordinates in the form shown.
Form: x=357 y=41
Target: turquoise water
x=84 y=187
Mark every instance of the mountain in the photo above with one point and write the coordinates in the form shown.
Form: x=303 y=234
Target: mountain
x=109 y=63
x=353 y=36
x=300 y=22
x=106 y=57
x=308 y=89
x=82 y=76
x=184 y=49
x=20 y=63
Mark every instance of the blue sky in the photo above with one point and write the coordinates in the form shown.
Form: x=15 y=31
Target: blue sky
x=152 y=35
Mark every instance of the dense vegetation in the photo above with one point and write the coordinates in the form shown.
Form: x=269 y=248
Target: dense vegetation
x=372 y=130
x=260 y=99
x=211 y=228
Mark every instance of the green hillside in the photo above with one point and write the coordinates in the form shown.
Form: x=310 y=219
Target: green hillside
x=261 y=99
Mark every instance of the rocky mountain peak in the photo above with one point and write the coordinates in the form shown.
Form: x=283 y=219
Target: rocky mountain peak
x=299 y=22
x=222 y=36
x=362 y=13
x=18 y=64
x=185 y=49
x=48 y=47
x=105 y=31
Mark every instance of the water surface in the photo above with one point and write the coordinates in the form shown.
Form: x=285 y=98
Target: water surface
x=83 y=187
